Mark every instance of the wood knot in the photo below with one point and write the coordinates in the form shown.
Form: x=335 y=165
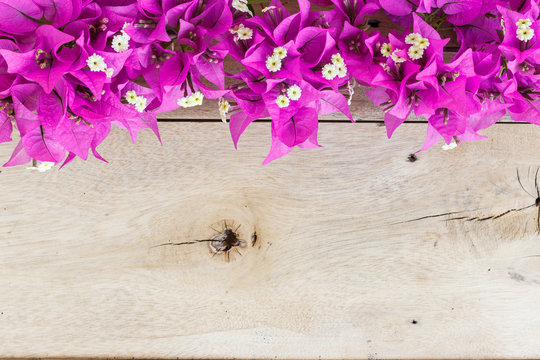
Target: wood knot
x=225 y=241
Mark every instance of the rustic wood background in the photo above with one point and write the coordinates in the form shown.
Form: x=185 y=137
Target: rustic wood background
x=360 y=253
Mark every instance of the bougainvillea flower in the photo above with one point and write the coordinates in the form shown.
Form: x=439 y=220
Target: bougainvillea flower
x=19 y=17
x=43 y=64
x=71 y=69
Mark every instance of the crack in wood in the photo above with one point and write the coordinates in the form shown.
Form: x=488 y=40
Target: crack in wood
x=222 y=242
x=497 y=216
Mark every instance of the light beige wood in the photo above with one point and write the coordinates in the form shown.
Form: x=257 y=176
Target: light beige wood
x=338 y=270
x=362 y=109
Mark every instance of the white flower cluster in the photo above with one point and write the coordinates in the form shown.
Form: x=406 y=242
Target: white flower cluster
x=273 y=62
x=194 y=99
x=120 y=43
x=386 y=49
x=96 y=63
x=419 y=44
x=293 y=93
x=415 y=52
x=336 y=68
x=224 y=107
x=138 y=101
x=524 y=31
x=242 y=32
x=241 y=5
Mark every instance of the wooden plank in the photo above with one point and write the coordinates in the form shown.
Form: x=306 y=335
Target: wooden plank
x=340 y=268
x=362 y=109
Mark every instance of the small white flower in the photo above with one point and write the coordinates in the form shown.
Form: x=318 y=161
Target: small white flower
x=341 y=70
x=131 y=97
x=525 y=33
x=337 y=59
x=523 y=23
x=503 y=27
x=197 y=97
x=282 y=101
x=280 y=52
x=422 y=43
x=415 y=52
x=397 y=59
x=386 y=49
x=140 y=103
x=244 y=33
x=120 y=43
x=412 y=38
x=109 y=72
x=224 y=107
x=96 y=63
x=42 y=166
x=182 y=102
x=241 y=5
x=329 y=71
x=273 y=63
x=190 y=101
x=450 y=146
x=268 y=8
x=294 y=92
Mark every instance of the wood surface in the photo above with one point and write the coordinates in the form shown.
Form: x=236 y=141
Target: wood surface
x=359 y=252
x=355 y=257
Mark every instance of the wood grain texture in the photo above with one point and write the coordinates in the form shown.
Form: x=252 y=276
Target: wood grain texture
x=340 y=269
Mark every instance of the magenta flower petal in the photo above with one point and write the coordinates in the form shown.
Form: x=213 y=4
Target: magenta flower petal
x=5 y=127
x=461 y=12
x=277 y=149
x=94 y=81
x=238 y=123
x=213 y=72
x=19 y=17
x=391 y=123
x=296 y=129
x=448 y=124
x=60 y=12
x=432 y=137
x=18 y=157
x=51 y=109
x=331 y=102
x=313 y=44
x=75 y=138
x=173 y=72
x=41 y=145
x=397 y=7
